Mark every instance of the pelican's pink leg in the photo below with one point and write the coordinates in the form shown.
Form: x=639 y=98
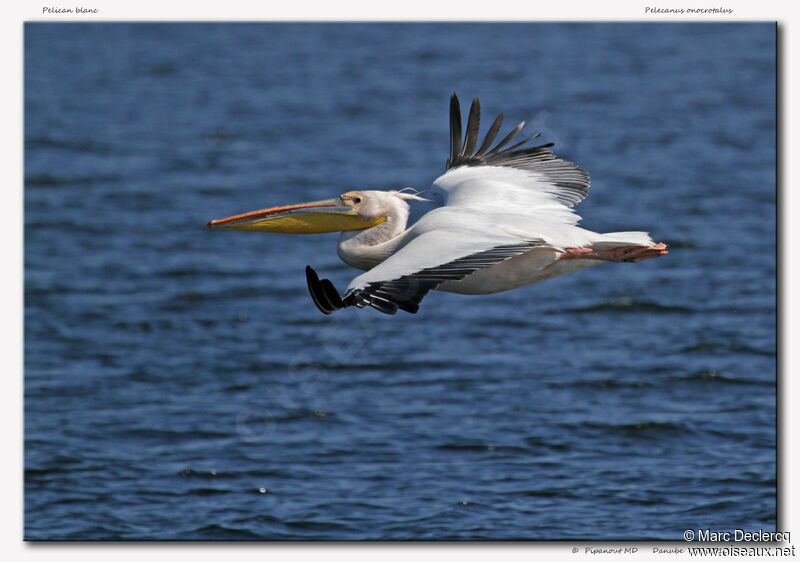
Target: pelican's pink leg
x=578 y=253
x=618 y=254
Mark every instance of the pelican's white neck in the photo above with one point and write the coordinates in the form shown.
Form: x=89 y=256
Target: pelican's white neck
x=364 y=249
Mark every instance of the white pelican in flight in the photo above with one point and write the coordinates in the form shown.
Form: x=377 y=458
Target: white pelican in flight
x=506 y=221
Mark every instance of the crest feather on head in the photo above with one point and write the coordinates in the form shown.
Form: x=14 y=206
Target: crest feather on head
x=408 y=193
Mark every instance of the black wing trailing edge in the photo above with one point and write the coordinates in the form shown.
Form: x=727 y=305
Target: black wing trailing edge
x=406 y=292
x=567 y=175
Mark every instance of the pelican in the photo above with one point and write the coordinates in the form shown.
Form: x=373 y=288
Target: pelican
x=506 y=220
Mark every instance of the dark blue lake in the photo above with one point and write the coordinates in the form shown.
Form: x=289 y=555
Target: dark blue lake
x=180 y=383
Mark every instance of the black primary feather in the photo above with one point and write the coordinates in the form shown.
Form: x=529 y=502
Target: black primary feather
x=506 y=139
x=491 y=135
x=455 y=129
x=324 y=294
x=473 y=125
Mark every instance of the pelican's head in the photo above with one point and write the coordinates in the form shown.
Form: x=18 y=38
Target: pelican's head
x=354 y=210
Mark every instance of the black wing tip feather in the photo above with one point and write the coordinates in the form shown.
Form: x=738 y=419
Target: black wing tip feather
x=461 y=155
x=323 y=293
x=540 y=158
x=455 y=129
x=473 y=125
x=327 y=299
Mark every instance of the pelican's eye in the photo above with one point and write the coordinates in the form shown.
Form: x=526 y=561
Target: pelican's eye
x=357 y=200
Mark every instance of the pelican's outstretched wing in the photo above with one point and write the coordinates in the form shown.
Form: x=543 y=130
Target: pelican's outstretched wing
x=405 y=278
x=529 y=180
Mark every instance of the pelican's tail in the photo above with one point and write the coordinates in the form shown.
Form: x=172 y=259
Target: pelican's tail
x=619 y=247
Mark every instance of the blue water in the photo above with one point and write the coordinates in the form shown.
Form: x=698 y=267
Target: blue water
x=180 y=383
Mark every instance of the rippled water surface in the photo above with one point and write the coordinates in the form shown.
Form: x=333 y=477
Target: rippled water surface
x=180 y=383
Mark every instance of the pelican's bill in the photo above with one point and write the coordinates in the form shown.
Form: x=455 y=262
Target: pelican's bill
x=316 y=217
